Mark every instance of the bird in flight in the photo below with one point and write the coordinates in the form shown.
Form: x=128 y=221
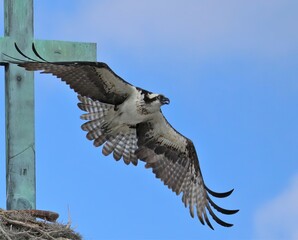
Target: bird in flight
x=128 y=122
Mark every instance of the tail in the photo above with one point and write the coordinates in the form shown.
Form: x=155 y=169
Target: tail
x=121 y=140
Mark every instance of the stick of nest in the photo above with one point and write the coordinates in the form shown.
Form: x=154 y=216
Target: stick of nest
x=23 y=225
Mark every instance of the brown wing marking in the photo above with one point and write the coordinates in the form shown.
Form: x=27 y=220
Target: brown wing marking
x=174 y=160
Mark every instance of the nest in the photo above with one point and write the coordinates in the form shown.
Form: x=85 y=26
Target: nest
x=33 y=224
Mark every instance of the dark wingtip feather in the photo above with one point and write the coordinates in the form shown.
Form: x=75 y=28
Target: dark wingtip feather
x=207 y=220
x=216 y=219
x=12 y=59
x=24 y=55
x=191 y=212
x=219 y=195
x=219 y=209
x=201 y=219
x=36 y=53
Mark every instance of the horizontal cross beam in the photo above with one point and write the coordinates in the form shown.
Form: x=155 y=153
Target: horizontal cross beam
x=51 y=50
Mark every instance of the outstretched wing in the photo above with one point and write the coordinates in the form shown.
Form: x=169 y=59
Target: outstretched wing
x=95 y=80
x=91 y=79
x=173 y=159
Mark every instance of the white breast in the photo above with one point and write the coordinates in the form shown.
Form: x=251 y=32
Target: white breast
x=129 y=110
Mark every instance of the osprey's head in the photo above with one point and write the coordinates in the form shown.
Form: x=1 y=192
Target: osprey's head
x=153 y=101
x=163 y=100
x=156 y=99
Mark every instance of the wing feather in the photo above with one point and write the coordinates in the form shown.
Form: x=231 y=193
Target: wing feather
x=95 y=80
x=173 y=159
x=119 y=148
x=126 y=150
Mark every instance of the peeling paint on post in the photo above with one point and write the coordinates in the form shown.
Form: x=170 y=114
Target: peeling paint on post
x=19 y=98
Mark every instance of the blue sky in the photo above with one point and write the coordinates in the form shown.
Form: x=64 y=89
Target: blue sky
x=230 y=70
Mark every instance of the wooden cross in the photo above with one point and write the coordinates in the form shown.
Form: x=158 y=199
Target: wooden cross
x=19 y=98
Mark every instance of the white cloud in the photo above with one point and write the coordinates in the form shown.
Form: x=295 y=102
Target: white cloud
x=258 y=26
x=278 y=218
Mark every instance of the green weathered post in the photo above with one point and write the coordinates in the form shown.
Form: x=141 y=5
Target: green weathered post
x=19 y=98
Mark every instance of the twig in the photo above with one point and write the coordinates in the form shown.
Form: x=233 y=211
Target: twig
x=69 y=218
x=42 y=214
x=4 y=233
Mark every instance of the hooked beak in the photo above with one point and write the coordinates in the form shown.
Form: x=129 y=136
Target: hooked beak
x=165 y=101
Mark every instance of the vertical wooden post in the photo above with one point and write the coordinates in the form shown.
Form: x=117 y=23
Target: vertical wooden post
x=19 y=107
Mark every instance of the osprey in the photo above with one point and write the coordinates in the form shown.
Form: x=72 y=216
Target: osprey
x=129 y=123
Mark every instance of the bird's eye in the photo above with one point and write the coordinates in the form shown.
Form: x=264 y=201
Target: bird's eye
x=160 y=97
